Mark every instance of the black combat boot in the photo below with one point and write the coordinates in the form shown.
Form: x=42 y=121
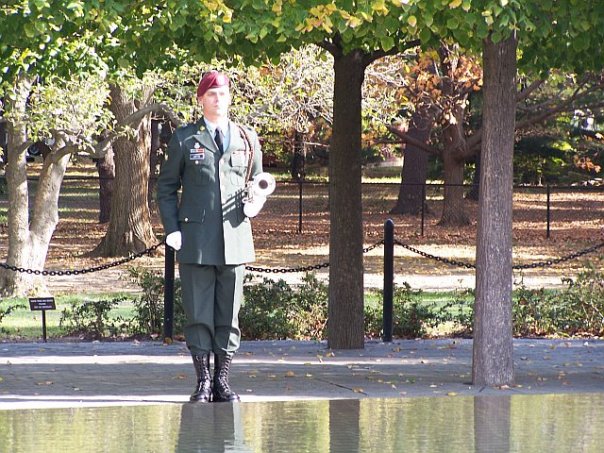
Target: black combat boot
x=203 y=391
x=221 y=392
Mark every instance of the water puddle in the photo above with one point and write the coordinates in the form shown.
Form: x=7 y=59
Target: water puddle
x=516 y=423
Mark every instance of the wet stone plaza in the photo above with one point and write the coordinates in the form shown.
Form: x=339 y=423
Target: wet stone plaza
x=405 y=396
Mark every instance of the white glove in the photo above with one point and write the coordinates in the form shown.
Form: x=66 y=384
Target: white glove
x=174 y=240
x=252 y=208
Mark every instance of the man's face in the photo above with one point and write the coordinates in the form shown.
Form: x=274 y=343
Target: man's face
x=216 y=102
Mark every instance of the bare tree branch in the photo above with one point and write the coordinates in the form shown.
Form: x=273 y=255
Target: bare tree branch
x=540 y=115
x=567 y=105
x=152 y=108
x=333 y=47
x=380 y=53
x=21 y=147
x=406 y=138
x=525 y=93
x=56 y=155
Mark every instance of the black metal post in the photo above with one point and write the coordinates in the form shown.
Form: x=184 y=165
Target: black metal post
x=300 y=206
x=44 y=325
x=423 y=206
x=169 y=294
x=548 y=210
x=388 y=279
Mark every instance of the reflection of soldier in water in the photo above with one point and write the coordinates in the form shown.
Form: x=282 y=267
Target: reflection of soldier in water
x=211 y=428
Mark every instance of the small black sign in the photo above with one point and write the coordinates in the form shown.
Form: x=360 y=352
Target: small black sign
x=42 y=303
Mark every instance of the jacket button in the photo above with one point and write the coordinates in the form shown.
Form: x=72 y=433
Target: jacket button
x=186 y=219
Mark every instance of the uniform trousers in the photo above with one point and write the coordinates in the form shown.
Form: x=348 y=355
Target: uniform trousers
x=212 y=297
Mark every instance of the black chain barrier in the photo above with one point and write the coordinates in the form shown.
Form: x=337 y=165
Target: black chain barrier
x=518 y=267
x=130 y=257
x=314 y=267
x=282 y=270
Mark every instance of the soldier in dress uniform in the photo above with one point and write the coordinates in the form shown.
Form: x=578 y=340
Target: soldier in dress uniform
x=211 y=161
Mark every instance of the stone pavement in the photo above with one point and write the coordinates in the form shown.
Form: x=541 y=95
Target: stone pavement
x=66 y=374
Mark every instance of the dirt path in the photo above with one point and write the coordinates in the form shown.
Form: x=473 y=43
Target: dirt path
x=285 y=240
x=419 y=272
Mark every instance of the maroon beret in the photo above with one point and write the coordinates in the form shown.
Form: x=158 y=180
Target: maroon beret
x=212 y=79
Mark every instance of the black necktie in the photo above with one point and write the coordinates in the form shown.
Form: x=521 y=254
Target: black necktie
x=218 y=140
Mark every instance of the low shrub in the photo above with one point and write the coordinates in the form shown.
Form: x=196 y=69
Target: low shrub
x=413 y=316
x=148 y=316
x=275 y=310
x=575 y=310
x=458 y=314
x=91 y=320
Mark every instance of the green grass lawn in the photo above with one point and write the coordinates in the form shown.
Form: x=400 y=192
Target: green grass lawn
x=22 y=323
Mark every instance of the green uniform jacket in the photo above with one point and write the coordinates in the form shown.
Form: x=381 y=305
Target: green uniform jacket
x=210 y=215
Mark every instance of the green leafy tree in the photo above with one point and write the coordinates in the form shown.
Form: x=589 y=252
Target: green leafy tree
x=546 y=35
x=39 y=41
x=443 y=97
x=355 y=35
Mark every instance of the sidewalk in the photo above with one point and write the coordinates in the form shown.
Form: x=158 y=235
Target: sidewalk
x=34 y=375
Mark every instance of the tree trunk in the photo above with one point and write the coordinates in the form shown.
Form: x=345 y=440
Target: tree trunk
x=154 y=161
x=106 y=169
x=474 y=192
x=29 y=233
x=492 y=350
x=297 y=170
x=129 y=228
x=345 y=327
x=415 y=166
x=19 y=241
x=454 y=142
x=454 y=212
